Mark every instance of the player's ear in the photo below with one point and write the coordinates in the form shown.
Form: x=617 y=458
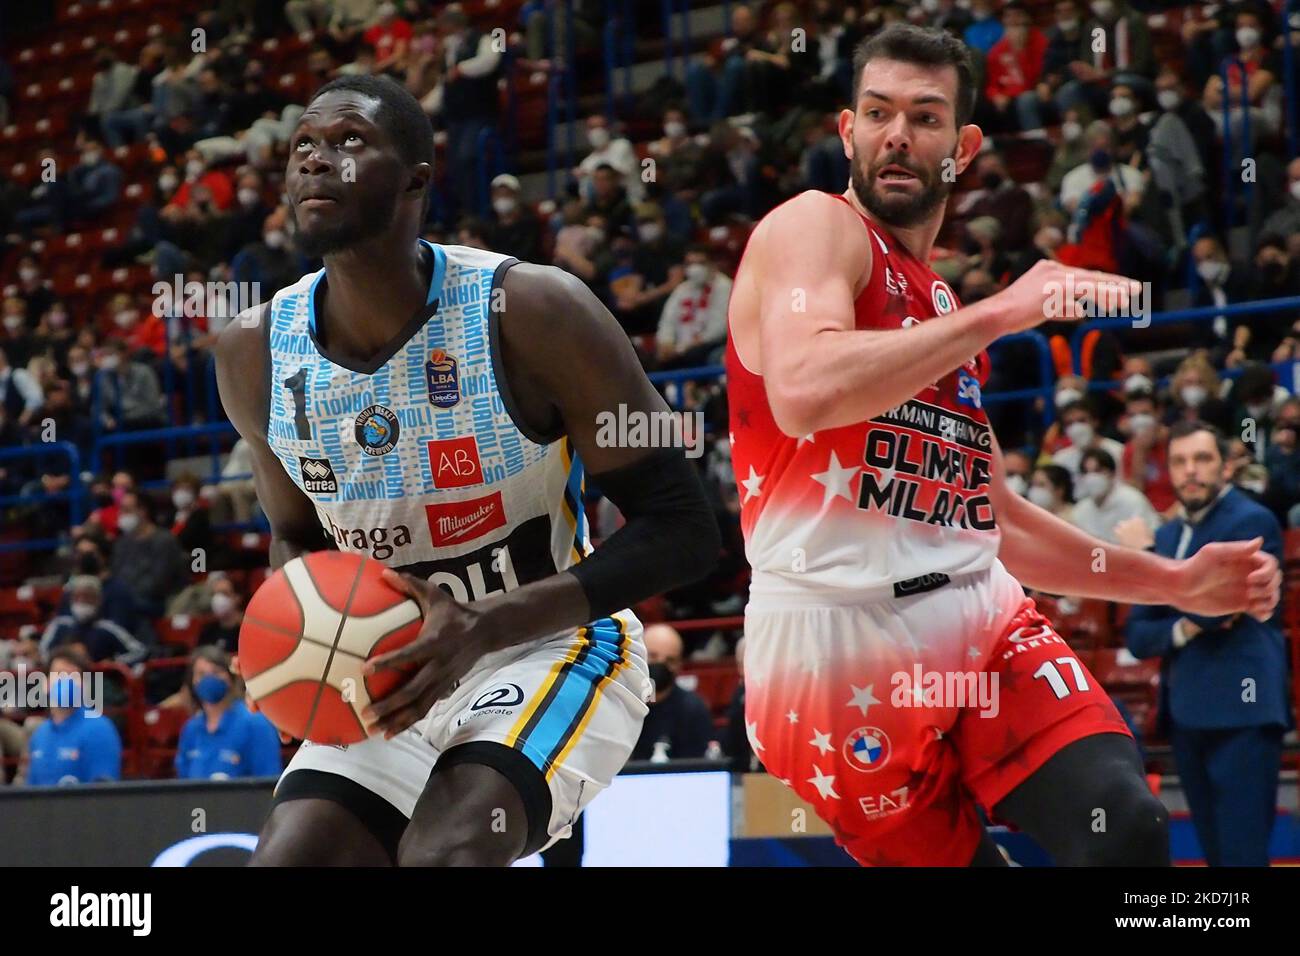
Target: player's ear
x=969 y=140
x=845 y=126
x=421 y=176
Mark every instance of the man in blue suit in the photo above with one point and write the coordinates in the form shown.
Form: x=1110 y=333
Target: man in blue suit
x=1223 y=679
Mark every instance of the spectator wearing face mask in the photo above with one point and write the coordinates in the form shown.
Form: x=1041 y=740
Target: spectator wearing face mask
x=1100 y=165
x=271 y=262
x=33 y=288
x=1144 y=459
x=1003 y=199
x=1037 y=106
x=76 y=744
x=655 y=270
x=1194 y=394
x=514 y=229
x=1255 y=398
x=1102 y=501
x=146 y=558
x=86 y=626
x=223 y=740
x=694 y=320
x=130 y=397
x=1052 y=489
x=678 y=725
x=1276 y=276
x=1178 y=151
x=986 y=28
x=54 y=333
x=1071 y=151
x=1209 y=34
x=115 y=602
x=1114 y=48
x=227 y=609
x=1082 y=430
x=1220 y=282
x=1018 y=469
x=191 y=525
x=613 y=151
x=141 y=331
x=16 y=331
x=244 y=225
x=1253 y=69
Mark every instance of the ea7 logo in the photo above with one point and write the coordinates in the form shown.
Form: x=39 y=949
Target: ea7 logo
x=73 y=909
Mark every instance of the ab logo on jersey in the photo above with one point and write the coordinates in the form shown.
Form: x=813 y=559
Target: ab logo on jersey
x=443 y=378
x=942 y=297
x=454 y=462
x=376 y=430
x=867 y=749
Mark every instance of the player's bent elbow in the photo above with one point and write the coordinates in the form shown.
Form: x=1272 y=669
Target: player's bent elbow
x=794 y=410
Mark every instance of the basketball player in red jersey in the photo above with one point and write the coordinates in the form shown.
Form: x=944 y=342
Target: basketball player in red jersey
x=897 y=677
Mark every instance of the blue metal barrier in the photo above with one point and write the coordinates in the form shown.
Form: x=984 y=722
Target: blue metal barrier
x=74 y=496
x=154 y=435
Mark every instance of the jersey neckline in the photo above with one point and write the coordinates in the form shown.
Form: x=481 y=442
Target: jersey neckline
x=403 y=336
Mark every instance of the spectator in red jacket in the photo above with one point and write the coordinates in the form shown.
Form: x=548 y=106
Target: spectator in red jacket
x=1014 y=66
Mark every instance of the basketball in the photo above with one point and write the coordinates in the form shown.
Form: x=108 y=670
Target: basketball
x=308 y=631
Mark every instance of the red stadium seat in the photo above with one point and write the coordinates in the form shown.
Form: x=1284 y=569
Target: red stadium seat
x=181 y=630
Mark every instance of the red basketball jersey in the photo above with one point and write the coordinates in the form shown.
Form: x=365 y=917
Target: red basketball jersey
x=888 y=500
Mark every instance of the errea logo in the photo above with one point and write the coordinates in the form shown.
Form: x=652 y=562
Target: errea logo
x=77 y=909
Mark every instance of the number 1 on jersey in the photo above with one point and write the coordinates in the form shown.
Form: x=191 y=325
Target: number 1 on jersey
x=297 y=386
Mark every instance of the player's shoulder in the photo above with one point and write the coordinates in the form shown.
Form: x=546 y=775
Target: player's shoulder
x=245 y=335
x=810 y=216
x=540 y=292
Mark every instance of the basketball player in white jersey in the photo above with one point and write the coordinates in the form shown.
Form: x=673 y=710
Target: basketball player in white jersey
x=433 y=407
x=897 y=677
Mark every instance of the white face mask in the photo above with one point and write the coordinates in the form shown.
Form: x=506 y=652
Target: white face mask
x=674 y=128
x=1094 y=484
x=182 y=498
x=128 y=522
x=125 y=319
x=1103 y=8
x=1067 y=396
x=109 y=363
x=275 y=239
x=90 y=157
x=1141 y=422
x=248 y=197
x=1069 y=26
x=13 y=322
x=1193 y=395
x=1079 y=433
x=57 y=320
x=28 y=274
x=1169 y=99
x=1212 y=271
x=1258 y=411
x=222 y=604
x=168 y=183
x=598 y=137
x=83 y=611
x=651 y=231
x=1041 y=497
x=193 y=169
x=697 y=272
x=1257 y=487
x=1247 y=38
x=504 y=205
x=1295 y=190
x=1071 y=130
x=1121 y=106
x=1017 y=484
x=79 y=368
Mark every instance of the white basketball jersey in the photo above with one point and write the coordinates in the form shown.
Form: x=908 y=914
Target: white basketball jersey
x=420 y=458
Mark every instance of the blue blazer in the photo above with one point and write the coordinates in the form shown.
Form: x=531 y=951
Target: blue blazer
x=1203 y=683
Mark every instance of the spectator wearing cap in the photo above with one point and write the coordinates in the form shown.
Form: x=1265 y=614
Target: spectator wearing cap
x=608 y=150
x=513 y=230
x=678 y=725
x=640 y=287
x=77 y=744
x=693 y=324
x=146 y=558
x=224 y=739
x=86 y=627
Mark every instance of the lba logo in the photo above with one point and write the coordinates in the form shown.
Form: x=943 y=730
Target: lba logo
x=454 y=462
x=867 y=749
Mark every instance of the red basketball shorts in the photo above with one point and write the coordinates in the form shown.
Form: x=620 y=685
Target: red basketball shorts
x=895 y=718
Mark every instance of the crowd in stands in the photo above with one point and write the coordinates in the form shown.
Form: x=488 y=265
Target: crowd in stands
x=1111 y=155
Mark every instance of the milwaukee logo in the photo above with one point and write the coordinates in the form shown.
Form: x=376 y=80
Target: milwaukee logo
x=459 y=521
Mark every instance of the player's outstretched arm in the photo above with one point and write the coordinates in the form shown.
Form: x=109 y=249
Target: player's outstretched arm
x=243 y=379
x=1051 y=555
x=571 y=369
x=811 y=258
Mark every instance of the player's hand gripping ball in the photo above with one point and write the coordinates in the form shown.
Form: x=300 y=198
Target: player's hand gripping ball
x=307 y=633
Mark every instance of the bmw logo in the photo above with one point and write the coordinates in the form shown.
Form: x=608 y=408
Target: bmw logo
x=867 y=749
x=376 y=430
